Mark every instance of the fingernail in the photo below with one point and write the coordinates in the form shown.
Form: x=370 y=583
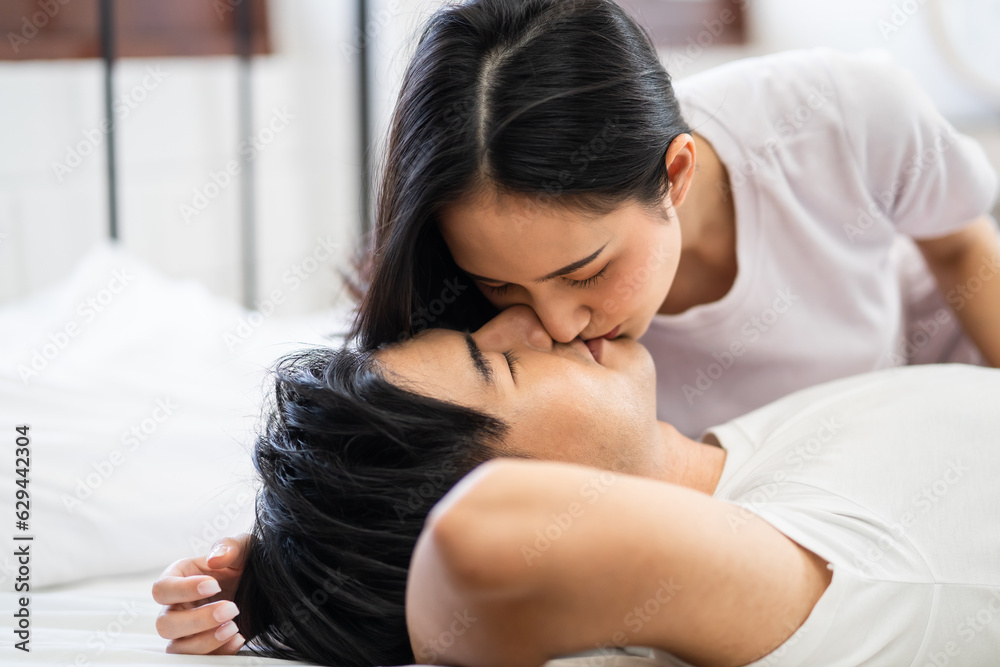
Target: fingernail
x=226 y=631
x=225 y=612
x=218 y=550
x=210 y=587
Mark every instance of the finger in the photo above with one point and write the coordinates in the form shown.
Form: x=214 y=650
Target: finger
x=231 y=647
x=183 y=567
x=174 y=590
x=227 y=552
x=217 y=640
x=178 y=623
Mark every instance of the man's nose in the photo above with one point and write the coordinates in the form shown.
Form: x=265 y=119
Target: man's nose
x=514 y=327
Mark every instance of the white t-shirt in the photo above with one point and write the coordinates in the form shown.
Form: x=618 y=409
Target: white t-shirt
x=831 y=158
x=894 y=478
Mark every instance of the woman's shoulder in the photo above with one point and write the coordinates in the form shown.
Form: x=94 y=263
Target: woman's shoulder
x=793 y=67
x=763 y=99
x=779 y=82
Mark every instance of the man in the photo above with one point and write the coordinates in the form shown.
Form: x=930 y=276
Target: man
x=854 y=523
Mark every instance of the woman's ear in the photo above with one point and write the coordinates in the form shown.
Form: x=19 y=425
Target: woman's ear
x=681 y=160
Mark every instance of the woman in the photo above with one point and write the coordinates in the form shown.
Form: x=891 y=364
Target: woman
x=743 y=225
x=753 y=254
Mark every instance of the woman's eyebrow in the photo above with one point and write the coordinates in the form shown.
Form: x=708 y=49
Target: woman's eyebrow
x=478 y=360
x=569 y=268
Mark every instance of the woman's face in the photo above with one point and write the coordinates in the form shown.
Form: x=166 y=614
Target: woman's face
x=583 y=275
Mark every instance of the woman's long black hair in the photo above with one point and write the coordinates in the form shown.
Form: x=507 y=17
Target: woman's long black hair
x=562 y=100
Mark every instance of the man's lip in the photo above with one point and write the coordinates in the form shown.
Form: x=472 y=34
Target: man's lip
x=596 y=347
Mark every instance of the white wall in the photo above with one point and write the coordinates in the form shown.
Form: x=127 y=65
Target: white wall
x=181 y=131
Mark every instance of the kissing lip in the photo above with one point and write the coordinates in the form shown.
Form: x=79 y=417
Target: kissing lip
x=596 y=347
x=609 y=336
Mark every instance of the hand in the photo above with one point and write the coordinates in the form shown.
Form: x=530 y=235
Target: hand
x=193 y=591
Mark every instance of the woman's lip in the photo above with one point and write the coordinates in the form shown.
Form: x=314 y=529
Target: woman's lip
x=596 y=347
x=611 y=334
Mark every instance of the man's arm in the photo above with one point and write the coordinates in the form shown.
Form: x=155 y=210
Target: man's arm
x=526 y=560
x=966 y=265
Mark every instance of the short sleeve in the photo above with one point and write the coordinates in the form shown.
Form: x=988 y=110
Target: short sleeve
x=925 y=176
x=853 y=605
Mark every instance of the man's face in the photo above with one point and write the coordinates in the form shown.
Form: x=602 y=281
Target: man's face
x=592 y=404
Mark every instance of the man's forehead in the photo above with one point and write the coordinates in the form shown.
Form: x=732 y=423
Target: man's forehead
x=434 y=362
x=427 y=345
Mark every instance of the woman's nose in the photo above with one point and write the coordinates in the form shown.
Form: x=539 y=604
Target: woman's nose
x=563 y=321
x=514 y=327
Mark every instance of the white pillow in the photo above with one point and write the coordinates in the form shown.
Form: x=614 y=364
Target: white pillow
x=141 y=395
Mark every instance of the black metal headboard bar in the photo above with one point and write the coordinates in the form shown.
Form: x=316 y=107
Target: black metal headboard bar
x=364 y=125
x=106 y=20
x=248 y=221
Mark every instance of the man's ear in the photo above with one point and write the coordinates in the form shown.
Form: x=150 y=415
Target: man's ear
x=681 y=159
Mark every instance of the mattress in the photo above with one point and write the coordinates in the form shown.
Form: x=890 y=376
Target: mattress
x=110 y=621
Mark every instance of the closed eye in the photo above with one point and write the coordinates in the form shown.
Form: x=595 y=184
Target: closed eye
x=588 y=282
x=499 y=290
x=511 y=363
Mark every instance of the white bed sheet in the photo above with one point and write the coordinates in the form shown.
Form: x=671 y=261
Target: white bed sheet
x=110 y=621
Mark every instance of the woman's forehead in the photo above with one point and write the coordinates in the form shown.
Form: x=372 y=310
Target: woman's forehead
x=494 y=203
x=498 y=244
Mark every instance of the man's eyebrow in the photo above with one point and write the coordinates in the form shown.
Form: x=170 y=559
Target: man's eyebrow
x=569 y=268
x=478 y=360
